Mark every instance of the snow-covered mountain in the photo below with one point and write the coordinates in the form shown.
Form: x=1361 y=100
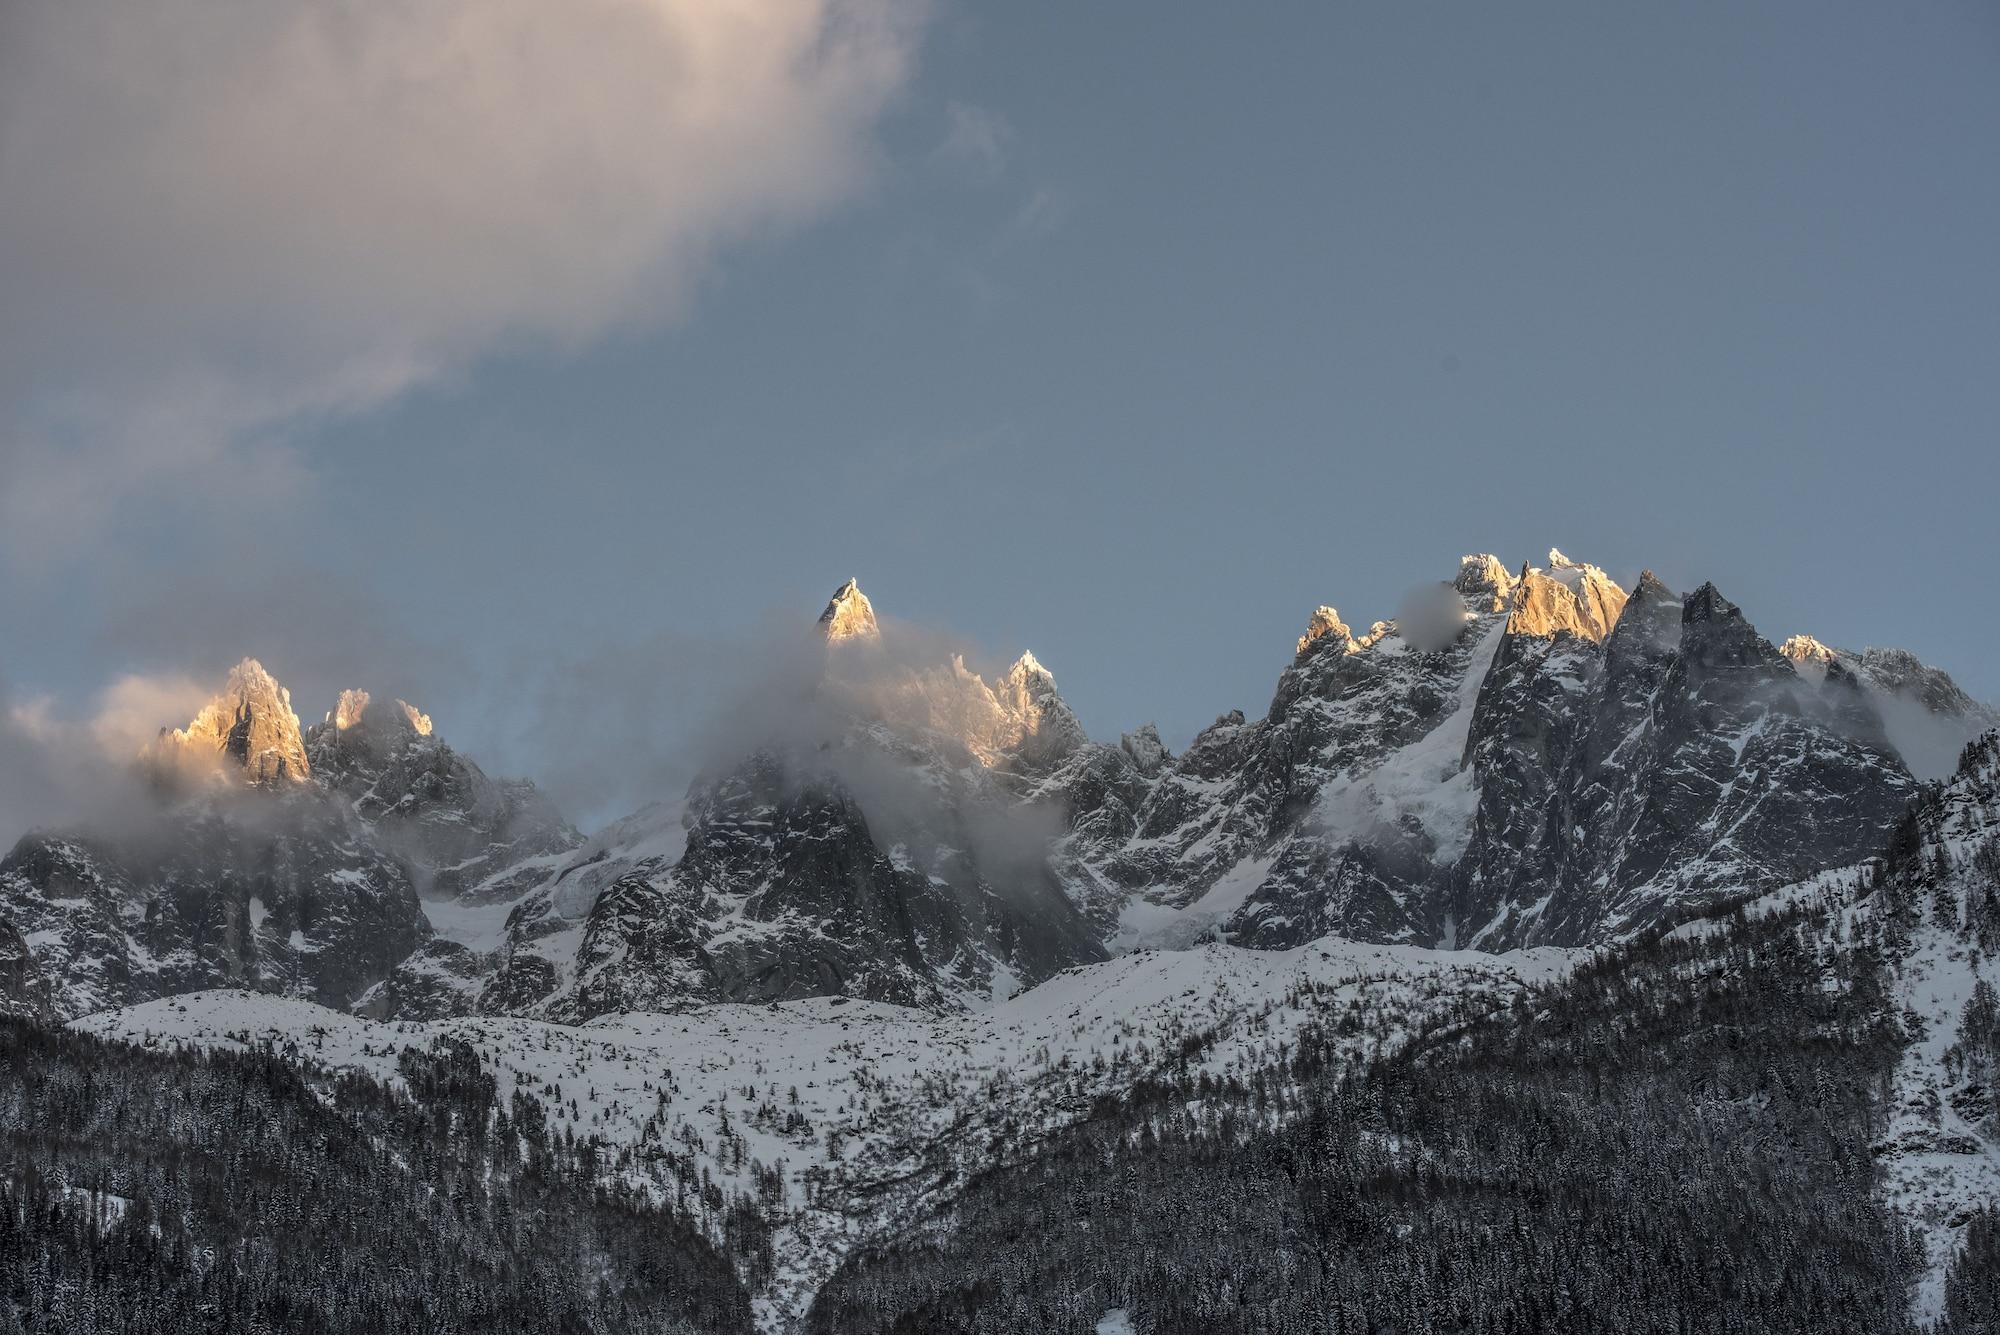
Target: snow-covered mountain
x=272 y=858
x=912 y=926
x=1535 y=756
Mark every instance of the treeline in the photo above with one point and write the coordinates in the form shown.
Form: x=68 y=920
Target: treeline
x=146 y=1192
x=1673 y=1141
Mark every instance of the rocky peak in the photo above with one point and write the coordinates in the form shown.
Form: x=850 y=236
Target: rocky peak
x=1028 y=678
x=1145 y=748
x=1568 y=597
x=1651 y=588
x=1717 y=637
x=849 y=615
x=1485 y=580
x=1903 y=673
x=352 y=709
x=1649 y=625
x=1042 y=727
x=1706 y=604
x=246 y=733
x=1804 y=647
x=1326 y=622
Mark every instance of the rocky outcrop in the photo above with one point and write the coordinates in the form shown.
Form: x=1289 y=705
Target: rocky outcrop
x=278 y=861
x=24 y=988
x=1325 y=621
x=1924 y=714
x=458 y=830
x=788 y=888
x=246 y=734
x=848 y=615
x=1574 y=765
x=1524 y=758
x=1683 y=768
x=278 y=894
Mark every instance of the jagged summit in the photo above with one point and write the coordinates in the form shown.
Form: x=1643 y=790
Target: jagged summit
x=1484 y=578
x=849 y=615
x=1325 y=621
x=1809 y=656
x=352 y=709
x=1707 y=604
x=247 y=733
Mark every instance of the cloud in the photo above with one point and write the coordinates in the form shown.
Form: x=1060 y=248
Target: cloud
x=219 y=220
x=60 y=772
x=977 y=143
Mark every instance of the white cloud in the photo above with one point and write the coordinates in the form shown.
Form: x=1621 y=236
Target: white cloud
x=216 y=218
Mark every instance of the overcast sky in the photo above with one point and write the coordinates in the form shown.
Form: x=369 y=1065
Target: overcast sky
x=535 y=362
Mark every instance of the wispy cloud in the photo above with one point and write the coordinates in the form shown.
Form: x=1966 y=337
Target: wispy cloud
x=977 y=143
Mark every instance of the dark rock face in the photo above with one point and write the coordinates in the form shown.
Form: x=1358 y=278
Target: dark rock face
x=294 y=866
x=457 y=829
x=786 y=890
x=1273 y=831
x=1532 y=781
x=1620 y=789
x=273 y=893
x=24 y=988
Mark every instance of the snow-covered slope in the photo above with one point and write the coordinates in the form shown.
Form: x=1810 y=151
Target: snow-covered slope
x=1940 y=896
x=869 y=1112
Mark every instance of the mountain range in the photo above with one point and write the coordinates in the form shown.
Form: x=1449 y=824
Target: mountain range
x=962 y=931
x=1534 y=757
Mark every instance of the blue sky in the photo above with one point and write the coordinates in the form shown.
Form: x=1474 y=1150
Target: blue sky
x=1125 y=333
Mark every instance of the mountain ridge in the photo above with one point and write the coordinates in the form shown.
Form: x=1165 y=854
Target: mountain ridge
x=1526 y=756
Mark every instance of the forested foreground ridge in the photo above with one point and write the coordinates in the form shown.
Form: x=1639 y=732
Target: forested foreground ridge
x=1689 y=1134
x=145 y=1193
x=1683 y=1136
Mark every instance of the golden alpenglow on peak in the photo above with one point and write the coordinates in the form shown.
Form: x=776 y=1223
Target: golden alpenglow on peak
x=1568 y=595
x=248 y=731
x=1808 y=655
x=418 y=720
x=352 y=708
x=849 y=615
x=348 y=710
x=1325 y=621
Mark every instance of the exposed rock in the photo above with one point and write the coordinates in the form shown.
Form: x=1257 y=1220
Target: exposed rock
x=1925 y=715
x=1809 y=657
x=1145 y=748
x=1578 y=599
x=457 y=829
x=848 y=615
x=277 y=895
x=786 y=890
x=1484 y=581
x=24 y=988
x=301 y=880
x=248 y=733
x=1325 y=622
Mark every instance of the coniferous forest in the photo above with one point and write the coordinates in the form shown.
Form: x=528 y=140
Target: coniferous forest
x=143 y=1193
x=1675 y=1140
